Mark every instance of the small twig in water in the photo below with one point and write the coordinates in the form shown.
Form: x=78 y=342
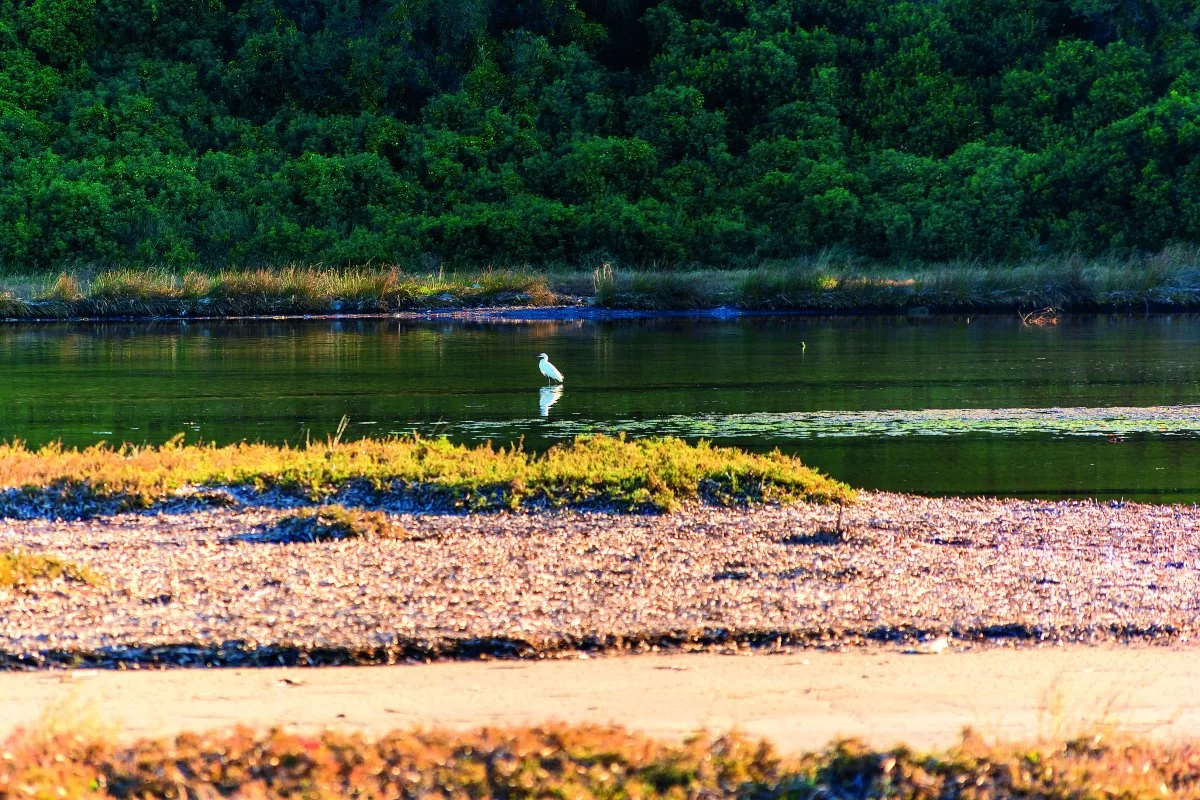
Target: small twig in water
x=341 y=428
x=1043 y=316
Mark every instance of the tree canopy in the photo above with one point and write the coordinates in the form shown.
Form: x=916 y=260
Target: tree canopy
x=246 y=132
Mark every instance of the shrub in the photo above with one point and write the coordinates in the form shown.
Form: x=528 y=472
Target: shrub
x=334 y=522
x=20 y=568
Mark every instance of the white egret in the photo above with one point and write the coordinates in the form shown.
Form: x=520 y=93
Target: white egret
x=549 y=370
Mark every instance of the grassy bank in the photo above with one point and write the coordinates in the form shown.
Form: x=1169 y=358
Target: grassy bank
x=590 y=471
x=835 y=283
x=288 y=290
x=828 y=282
x=564 y=761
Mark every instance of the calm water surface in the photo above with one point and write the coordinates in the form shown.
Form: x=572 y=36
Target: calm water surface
x=1095 y=406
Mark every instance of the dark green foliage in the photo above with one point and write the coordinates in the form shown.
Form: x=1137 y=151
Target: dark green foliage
x=467 y=132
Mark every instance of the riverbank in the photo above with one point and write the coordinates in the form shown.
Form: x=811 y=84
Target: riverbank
x=215 y=586
x=1165 y=281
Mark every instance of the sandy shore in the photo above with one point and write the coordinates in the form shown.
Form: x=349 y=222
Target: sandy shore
x=801 y=701
x=202 y=587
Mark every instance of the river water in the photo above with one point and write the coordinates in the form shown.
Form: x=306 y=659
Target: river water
x=1094 y=406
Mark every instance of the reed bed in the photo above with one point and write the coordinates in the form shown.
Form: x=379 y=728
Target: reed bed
x=292 y=289
x=581 y=761
x=837 y=282
x=593 y=470
x=832 y=281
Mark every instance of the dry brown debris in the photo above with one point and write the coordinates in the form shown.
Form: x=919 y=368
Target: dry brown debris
x=578 y=761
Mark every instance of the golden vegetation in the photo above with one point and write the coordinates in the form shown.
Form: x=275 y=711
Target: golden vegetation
x=20 y=568
x=591 y=470
x=287 y=290
x=561 y=761
x=831 y=280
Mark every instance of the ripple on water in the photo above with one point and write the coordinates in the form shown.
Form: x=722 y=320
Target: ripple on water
x=1113 y=421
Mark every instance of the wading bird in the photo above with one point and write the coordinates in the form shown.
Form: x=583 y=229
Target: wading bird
x=549 y=370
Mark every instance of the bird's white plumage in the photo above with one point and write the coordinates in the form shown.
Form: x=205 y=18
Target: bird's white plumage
x=548 y=369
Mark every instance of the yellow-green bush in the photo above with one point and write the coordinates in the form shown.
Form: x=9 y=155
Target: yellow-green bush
x=20 y=568
x=333 y=522
x=592 y=470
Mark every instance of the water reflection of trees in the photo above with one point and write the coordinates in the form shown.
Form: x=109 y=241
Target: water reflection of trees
x=252 y=377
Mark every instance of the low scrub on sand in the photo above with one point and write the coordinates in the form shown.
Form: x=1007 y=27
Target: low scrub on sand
x=562 y=761
x=19 y=568
x=598 y=471
x=332 y=523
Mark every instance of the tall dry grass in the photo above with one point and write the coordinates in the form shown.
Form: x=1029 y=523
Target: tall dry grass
x=293 y=289
x=831 y=280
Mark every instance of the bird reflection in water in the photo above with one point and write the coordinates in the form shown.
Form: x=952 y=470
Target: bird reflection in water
x=548 y=396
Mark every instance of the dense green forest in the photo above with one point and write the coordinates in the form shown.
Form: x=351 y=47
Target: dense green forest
x=233 y=132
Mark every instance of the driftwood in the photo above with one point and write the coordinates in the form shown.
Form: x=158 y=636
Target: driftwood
x=1043 y=316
